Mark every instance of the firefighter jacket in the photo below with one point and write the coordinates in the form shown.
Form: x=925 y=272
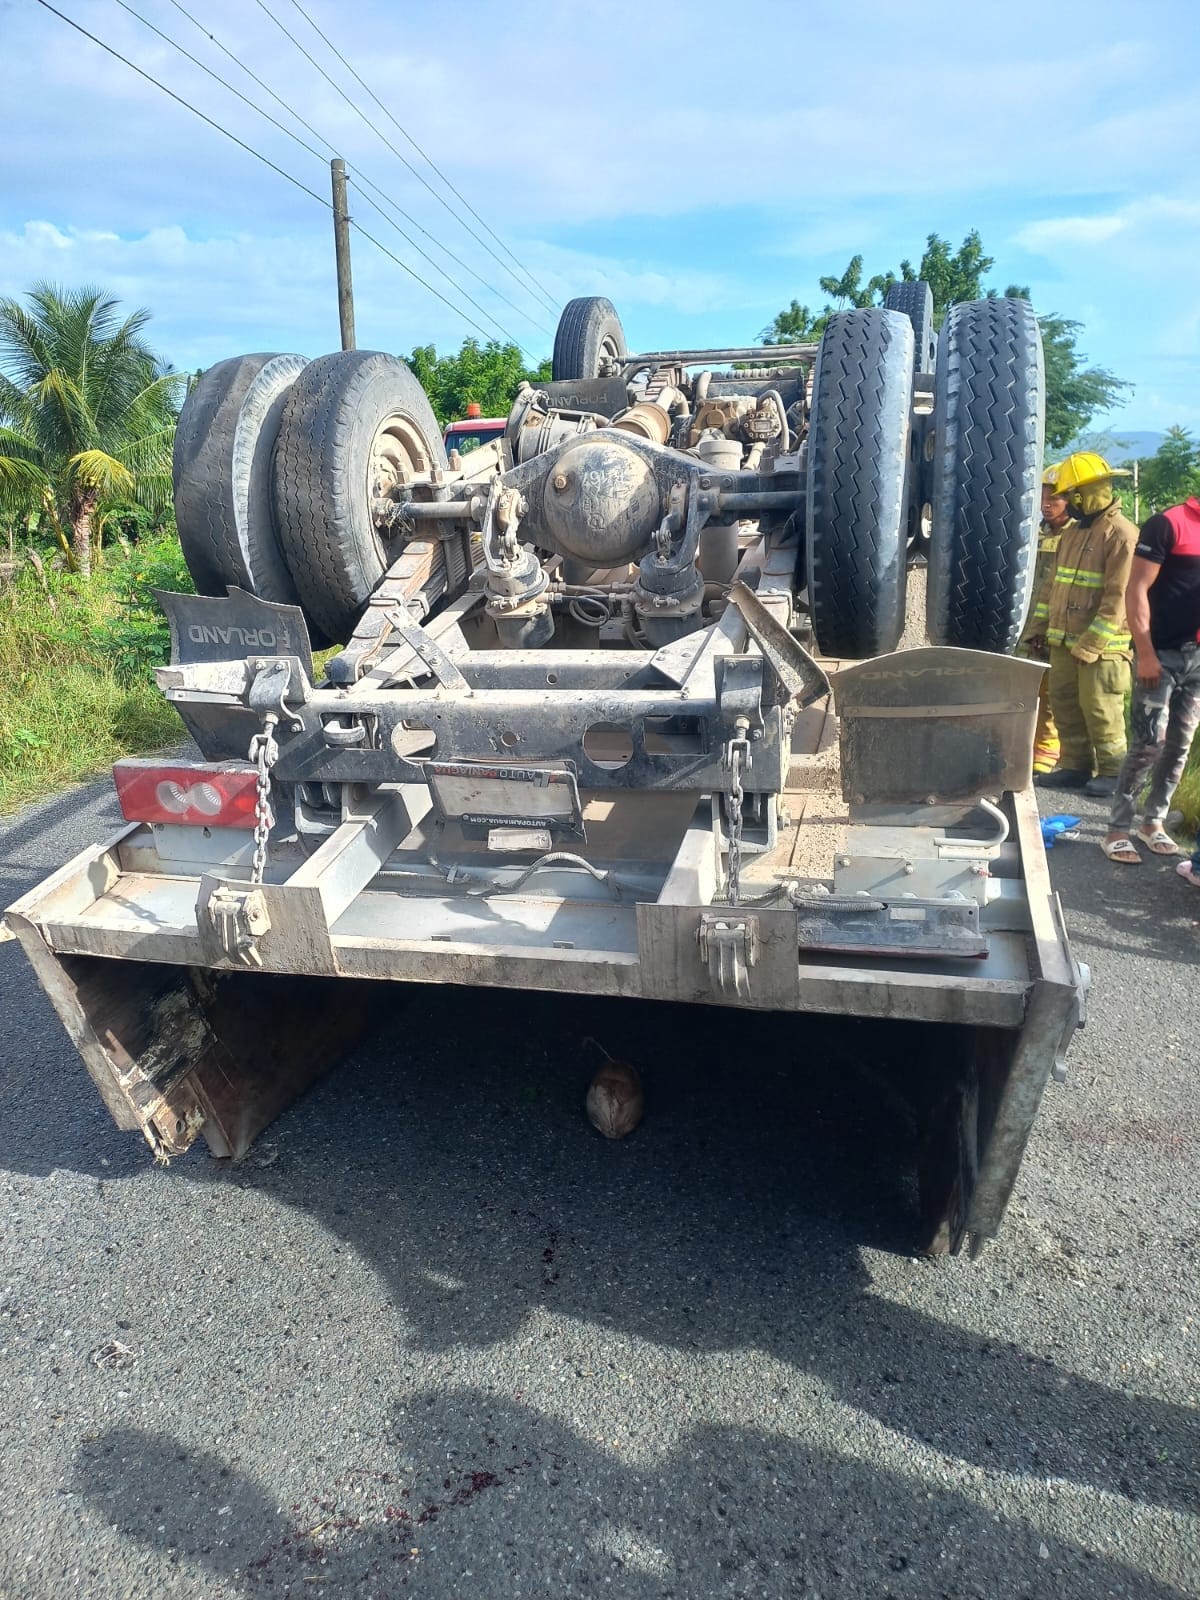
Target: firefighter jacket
x=1046 y=551
x=1082 y=603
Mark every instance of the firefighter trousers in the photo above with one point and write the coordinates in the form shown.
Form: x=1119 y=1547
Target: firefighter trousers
x=1088 y=701
x=1045 y=735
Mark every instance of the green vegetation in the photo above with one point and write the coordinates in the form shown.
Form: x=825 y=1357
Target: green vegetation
x=488 y=375
x=76 y=668
x=1186 y=798
x=1075 y=392
x=87 y=414
x=1169 y=476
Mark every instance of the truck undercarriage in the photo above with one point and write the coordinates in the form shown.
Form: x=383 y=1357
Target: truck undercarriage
x=598 y=686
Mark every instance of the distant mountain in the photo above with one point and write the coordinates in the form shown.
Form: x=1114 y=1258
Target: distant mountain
x=1118 y=446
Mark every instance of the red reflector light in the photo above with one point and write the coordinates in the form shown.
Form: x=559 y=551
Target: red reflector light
x=196 y=793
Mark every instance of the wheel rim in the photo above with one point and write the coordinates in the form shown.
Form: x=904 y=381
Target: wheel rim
x=399 y=460
x=610 y=353
x=399 y=457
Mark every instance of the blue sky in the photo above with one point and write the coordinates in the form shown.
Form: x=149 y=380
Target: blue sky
x=700 y=164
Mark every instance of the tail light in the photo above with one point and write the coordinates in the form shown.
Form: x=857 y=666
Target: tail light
x=195 y=793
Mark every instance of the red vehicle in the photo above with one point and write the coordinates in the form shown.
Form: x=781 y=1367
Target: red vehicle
x=472 y=431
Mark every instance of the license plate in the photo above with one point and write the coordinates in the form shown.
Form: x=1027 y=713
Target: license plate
x=481 y=796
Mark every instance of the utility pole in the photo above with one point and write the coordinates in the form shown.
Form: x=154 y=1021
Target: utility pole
x=1137 y=509
x=341 y=247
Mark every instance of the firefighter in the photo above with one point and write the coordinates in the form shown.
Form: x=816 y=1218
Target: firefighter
x=1080 y=619
x=1055 y=517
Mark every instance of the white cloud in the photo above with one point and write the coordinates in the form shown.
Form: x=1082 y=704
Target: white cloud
x=1054 y=231
x=213 y=296
x=1129 y=275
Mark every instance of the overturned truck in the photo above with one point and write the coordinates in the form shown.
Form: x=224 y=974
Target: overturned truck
x=592 y=691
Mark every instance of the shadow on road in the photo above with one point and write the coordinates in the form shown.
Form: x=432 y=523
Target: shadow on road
x=452 y=1155
x=517 y=1504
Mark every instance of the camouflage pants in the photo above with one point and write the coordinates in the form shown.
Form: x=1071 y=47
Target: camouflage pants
x=1162 y=725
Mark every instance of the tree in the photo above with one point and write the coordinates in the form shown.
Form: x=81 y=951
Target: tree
x=796 y=325
x=952 y=276
x=87 y=412
x=1074 y=392
x=488 y=375
x=1172 y=473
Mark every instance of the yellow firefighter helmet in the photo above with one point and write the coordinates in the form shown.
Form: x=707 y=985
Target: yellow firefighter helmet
x=1083 y=468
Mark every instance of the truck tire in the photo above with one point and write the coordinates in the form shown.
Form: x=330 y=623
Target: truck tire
x=989 y=411
x=915 y=300
x=857 y=472
x=589 y=332
x=221 y=475
x=355 y=424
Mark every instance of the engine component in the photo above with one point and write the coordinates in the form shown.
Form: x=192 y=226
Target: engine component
x=719 y=452
x=650 y=418
x=601 y=502
x=667 y=615
x=721 y=415
x=541 y=429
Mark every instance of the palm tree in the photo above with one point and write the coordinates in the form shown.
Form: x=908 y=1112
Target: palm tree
x=87 y=412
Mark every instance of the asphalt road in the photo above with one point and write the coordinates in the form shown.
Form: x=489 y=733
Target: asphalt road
x=437 y=1338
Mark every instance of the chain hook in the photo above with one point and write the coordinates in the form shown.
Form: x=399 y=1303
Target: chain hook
x=734 y=758
x=264 y=753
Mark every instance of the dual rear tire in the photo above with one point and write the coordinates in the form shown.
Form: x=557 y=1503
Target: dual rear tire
x=278 y=465
x=984 y=472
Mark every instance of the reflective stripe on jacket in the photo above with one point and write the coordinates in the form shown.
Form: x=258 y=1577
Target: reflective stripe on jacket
x=1047 y=551
x=1082 y=603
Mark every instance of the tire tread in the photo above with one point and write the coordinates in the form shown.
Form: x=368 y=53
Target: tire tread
x=857 y=463
x=316 y=483
x=991 y=419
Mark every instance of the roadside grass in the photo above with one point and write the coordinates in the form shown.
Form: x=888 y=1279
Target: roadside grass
x=76 y=670
x=1187 y=796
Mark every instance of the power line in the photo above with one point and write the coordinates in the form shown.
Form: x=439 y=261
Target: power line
x=225 y=84
x=360 y=177
x=428 y=160
x=258 y=156
x=404 y=161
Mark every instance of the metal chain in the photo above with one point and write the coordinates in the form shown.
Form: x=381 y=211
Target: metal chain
x=264 y=752
x=736 y=752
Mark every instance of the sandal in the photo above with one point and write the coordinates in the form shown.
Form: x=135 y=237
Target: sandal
x=1122 y=850
x=1158 y=842
x=1186 y=870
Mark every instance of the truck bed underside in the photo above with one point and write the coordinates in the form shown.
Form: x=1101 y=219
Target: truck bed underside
x=181 y=1042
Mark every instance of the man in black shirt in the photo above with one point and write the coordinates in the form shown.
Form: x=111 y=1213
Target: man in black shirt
x=1162 y=603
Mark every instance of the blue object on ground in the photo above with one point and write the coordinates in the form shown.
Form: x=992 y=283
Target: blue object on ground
x=1057 y=827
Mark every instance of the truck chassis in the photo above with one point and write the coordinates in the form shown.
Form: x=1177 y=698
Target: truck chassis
x=653 y=817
